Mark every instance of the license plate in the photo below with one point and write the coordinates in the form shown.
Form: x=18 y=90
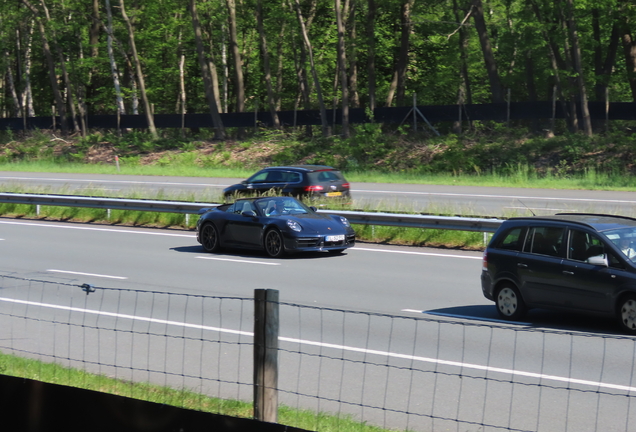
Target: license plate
x=330 y=194
x=334 y=238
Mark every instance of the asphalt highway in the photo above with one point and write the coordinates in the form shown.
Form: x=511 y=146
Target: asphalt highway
x=422 y=313
x=461 y=200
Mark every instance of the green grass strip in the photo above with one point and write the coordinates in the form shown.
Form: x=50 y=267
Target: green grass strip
x=54 y=373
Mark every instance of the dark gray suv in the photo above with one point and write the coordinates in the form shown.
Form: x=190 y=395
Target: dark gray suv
x=572 y=262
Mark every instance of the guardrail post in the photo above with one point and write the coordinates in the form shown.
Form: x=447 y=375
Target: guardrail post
x=266 y=355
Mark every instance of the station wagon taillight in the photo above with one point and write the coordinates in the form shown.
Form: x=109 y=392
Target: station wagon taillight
x=345 y=185
x=315 y=188
x=484 y=262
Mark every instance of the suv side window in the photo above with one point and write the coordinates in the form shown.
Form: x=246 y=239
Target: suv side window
x=545 y=241
x=512 y=240
x=583 y=245
x=258 y=178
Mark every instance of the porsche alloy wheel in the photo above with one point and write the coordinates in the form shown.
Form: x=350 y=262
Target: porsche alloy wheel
x=510 y=304
x=210 y=238
x=274 y=243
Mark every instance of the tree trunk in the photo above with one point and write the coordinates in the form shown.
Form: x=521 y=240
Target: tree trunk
x=67 y=81
x=271 y=101
x=496 y=89
x=530 y=86
x=17 y=106
x=578 y=69
x=226 y=71
x=239 y=83
x=279 y=67
x=353 y=57
x=219 y=131
x=321 y=102
x=371 y=52
x=27 y=95
x=464 y=93
x=119 y=100
x=140 y=76
x=629 y=53
x=215 y=78
x=59 y=102
x=556 y=61
x=342 y=62
x=93 y=38
x=603 y=65
x=403 y=59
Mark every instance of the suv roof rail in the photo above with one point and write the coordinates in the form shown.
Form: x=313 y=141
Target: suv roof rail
x=597 y=214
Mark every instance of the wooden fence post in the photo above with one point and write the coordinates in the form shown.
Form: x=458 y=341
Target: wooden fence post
x=266 y=355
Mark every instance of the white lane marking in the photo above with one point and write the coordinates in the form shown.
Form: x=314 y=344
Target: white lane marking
x=596 y=384
x=469 y=317
x=97 y=229
x=417 y=253
x=238 y=260
x=501 y=196
x=131 y=317
x=114 y=181
x=86 y=274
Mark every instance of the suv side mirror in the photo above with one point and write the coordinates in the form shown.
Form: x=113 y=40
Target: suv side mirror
x=600 y=260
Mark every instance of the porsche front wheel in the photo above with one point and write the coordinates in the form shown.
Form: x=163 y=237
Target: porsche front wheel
x=274 y=243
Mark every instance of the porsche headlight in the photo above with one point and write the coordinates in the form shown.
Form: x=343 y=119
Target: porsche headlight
x=344 y=221
x=294 y=225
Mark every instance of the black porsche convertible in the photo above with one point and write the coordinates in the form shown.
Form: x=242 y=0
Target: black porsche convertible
x=277 y=225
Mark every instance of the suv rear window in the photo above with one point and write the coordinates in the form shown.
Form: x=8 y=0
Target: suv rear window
x=325 y=176
x=512 y=240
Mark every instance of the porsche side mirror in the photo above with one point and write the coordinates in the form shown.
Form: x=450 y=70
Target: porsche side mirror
x=313 y=208
x=249 y=213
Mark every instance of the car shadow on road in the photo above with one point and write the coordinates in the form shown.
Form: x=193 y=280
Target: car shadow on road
x=535 y=318
x=236 y=253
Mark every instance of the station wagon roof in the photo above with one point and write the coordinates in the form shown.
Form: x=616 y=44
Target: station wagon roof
x=598 y=222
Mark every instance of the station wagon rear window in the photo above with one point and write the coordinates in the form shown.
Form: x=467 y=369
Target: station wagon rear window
x=512 y=240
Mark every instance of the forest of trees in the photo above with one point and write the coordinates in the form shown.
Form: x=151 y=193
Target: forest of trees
x=79 y=57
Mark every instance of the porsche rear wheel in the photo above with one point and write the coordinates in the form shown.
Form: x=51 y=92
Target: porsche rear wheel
x=210 y=238
x=274 y=243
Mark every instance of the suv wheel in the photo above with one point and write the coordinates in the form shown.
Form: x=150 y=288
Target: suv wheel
x=510 y=304
x=627 y=313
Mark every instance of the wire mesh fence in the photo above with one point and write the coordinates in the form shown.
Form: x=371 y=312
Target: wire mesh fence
x=337 y=368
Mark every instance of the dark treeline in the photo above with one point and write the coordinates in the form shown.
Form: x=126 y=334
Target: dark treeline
x=75 y=58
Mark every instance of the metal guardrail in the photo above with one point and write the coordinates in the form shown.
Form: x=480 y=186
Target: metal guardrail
x=355 y=217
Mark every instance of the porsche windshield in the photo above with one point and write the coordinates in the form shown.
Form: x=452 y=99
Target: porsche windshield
x=281 y=206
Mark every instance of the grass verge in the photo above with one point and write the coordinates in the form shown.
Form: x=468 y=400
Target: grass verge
x=57 y=374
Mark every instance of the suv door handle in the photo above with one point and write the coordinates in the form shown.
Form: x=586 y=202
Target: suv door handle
x=567 y=272
x=522 y=265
